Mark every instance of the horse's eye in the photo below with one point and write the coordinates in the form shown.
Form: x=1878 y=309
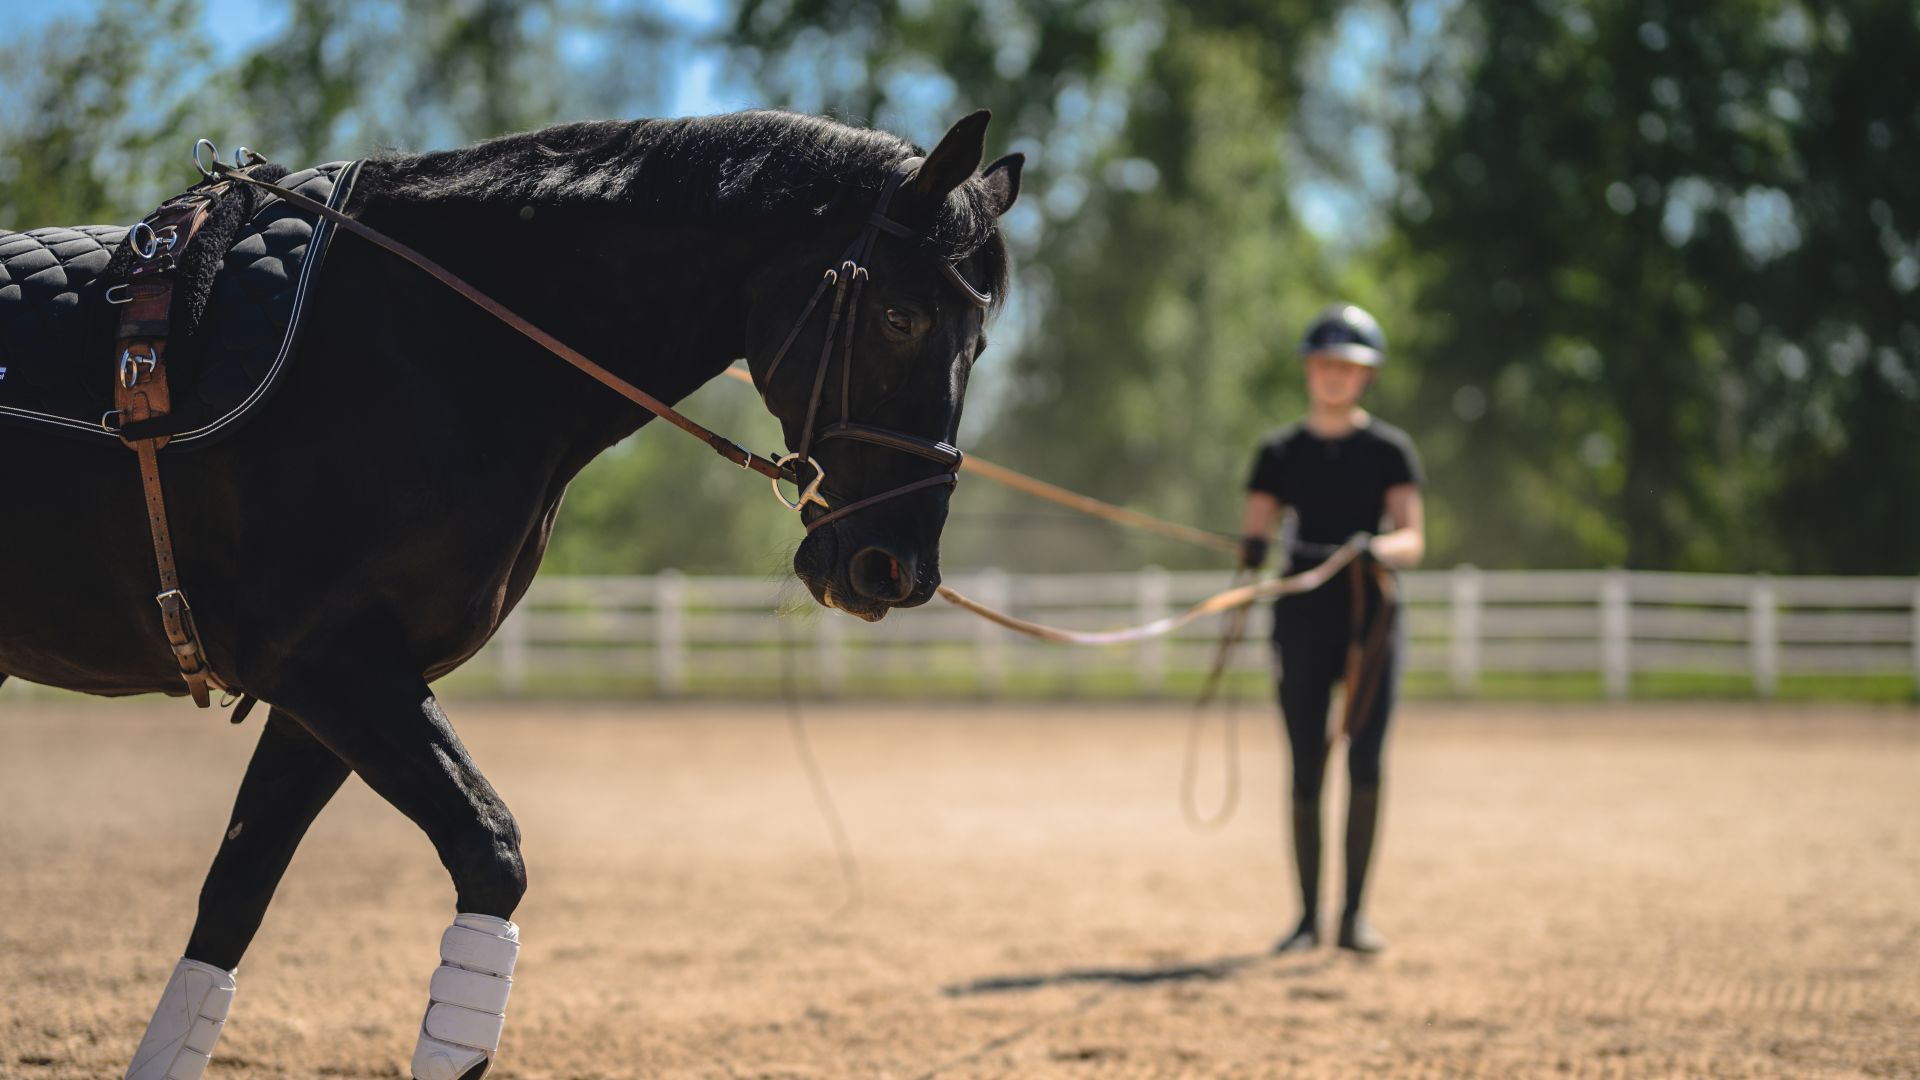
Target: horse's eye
x=900 y=319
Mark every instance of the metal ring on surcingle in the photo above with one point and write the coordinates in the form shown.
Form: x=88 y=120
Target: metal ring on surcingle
x=213 y=154
x=151 y=246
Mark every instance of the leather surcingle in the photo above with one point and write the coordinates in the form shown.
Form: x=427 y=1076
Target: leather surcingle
x=142 y=395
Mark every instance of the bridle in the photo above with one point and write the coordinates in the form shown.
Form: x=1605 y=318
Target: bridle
x=846 y=279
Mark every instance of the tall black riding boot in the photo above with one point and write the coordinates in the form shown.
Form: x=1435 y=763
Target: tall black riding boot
x=1363 y=822
x=1306 y=859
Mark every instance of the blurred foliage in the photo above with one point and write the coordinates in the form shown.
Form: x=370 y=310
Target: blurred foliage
x=1648 y=268
x=1666 y=315
x=656 y=501
x=76 y=148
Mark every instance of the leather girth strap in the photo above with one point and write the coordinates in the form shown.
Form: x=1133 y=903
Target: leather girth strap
x=141 y=393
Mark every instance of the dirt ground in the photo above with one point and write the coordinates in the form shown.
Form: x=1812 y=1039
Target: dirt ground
x=1582 y=891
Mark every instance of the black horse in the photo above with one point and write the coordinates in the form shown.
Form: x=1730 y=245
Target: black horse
x=371 y=525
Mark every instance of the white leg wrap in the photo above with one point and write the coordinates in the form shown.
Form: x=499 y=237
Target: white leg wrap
x=185 y=1025
x=467 y=1002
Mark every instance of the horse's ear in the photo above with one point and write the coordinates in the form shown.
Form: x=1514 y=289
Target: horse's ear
x=1003 y=181
x=949 y=164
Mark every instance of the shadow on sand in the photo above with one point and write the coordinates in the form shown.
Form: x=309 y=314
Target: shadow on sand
x=1198 y=971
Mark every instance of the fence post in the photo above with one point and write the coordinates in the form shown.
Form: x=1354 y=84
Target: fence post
x=1153 y=599
x=830 y=644
x=510 y=650
x=1616 y=662
x=1763 y=636
x=669 y=631
x=990 y=641
x=1464 y=664
x=1916 y=641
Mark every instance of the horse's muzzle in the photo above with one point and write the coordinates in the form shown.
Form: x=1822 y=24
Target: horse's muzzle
x=873 y=579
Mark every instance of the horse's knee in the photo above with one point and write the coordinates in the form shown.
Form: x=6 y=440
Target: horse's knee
x=487 y=869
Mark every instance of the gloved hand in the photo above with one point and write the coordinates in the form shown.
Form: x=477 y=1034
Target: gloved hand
x=1365 y=540
x=1253 y=552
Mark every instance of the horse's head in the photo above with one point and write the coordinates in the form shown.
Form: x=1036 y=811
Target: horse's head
x=862 y=349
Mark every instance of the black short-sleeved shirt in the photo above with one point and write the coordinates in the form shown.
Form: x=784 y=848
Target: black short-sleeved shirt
x=1338 y=487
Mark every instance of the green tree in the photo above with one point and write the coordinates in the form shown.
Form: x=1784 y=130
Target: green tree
x=100 y=113
x=1667 y=260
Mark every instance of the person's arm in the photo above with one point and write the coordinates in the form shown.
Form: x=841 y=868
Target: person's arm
x=1406 y=545
x=1257 y=523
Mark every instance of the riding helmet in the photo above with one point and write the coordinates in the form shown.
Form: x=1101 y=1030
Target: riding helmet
x=1348 y=333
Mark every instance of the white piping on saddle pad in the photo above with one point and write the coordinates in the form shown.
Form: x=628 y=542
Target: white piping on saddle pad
x=467 y=1001
x=185 y=1025
x=318 y=243
x=317 y=246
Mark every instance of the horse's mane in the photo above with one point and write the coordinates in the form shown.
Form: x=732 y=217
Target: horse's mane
x=762 y=167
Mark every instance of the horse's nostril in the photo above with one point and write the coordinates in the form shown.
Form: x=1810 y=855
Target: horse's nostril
x=878 y=575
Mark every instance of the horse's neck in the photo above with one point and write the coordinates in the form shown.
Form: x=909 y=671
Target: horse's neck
x=661 y=307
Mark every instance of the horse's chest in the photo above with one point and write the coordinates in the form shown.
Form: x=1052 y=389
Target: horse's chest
x=488 y=606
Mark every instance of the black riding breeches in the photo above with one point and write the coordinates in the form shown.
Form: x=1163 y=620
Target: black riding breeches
x=1309 y=670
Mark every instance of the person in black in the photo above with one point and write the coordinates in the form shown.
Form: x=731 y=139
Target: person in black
x=1341 y=472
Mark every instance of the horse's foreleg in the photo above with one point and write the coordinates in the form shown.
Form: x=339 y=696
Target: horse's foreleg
x=394 y=734
x=289 y=780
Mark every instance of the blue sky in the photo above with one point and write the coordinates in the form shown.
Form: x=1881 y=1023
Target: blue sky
x=237 y=25
x=234 y=24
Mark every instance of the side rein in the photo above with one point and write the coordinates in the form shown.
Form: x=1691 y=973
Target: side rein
x=142 y=403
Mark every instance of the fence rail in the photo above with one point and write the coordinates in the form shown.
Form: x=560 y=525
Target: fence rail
x=673 y=633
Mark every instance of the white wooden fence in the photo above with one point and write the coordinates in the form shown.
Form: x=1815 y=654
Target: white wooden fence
x=673 y=634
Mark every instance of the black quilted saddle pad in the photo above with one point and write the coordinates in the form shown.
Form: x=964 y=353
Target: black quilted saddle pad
x=57 y=328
